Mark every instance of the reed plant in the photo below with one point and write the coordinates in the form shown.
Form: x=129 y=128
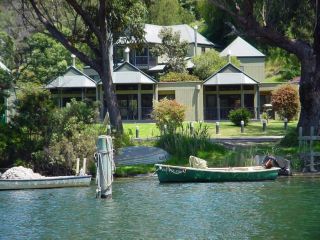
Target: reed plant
x=188 y=140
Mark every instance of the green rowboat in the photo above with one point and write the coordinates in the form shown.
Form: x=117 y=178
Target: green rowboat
x=168 y=173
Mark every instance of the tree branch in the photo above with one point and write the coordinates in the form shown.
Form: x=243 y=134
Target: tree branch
x=62 y=38
x=85 y=16
x=268 y=34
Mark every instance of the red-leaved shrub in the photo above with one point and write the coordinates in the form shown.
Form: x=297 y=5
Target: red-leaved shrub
x=285 y=101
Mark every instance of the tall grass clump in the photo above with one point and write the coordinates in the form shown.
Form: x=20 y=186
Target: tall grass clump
x=186 y=142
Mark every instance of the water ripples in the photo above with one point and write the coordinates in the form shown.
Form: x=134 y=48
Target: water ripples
x=142 y=208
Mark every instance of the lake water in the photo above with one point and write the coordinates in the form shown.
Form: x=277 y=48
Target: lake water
x=141 y=208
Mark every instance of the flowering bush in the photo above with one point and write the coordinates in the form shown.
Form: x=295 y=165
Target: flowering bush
x=285 y=101
x=170 y=113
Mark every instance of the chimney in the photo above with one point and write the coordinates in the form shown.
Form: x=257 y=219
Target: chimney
x=73 y=60
x=126 y=54
x=195 y=39
x=229 y=56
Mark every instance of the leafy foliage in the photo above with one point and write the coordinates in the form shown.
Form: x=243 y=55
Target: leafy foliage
x=169 y=113
x=168 y=12
x=34 y=110
x=6 y=81
x=238 y=115
x=215 y=27
x=281 y=63
x=178 y=77
x=172 y=49
x=285 y=101
x=6 y=49
x=210 y=62
x=44 y=59
x=46 y=138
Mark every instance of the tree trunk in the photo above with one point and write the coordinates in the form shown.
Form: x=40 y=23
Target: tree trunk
x=109 y=99
x=309 y=95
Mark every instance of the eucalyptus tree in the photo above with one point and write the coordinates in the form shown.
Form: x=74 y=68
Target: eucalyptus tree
x=88 y=30
x=292 y=25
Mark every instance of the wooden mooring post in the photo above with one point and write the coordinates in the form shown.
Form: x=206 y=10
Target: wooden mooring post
x=306 y=148
x=105 y=166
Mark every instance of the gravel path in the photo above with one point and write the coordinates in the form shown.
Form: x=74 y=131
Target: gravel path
x=140 y=155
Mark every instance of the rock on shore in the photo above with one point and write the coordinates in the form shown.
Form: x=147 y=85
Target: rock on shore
x=20 y=173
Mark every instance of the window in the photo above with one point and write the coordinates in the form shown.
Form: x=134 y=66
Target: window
x=166 y=94
x=146 y=87
x=230 y=88
x=248 y=87
x=203 y=50
x=126 y=87
x=210 y=88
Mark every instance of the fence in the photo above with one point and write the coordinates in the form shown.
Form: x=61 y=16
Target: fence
x=307 y=149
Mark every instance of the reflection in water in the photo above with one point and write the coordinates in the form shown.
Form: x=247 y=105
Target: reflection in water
x=142 y=208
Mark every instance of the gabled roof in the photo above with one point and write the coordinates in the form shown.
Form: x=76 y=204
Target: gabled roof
x=230 y=75
x=127 y=73
x=72 y=78
x=241 y=48
x=186 y=34
x=4 y=67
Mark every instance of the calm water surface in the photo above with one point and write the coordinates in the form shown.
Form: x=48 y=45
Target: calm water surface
x=142 y=208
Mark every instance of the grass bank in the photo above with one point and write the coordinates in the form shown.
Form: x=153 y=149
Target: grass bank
x=130 y=171
x=227 y=129
x=183 y=144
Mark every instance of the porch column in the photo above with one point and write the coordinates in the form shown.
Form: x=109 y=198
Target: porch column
x=60 y=98
x=218 y=103
x=242 y=97
x=148 y=57
x=139 y=102
x=256 y=102
x=97 y=93
x=82 y=94
x=155 y=92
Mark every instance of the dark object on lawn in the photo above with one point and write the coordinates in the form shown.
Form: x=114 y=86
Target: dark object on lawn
x=283 y=164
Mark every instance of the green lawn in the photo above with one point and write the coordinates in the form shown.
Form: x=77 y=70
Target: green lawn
x=227 y=129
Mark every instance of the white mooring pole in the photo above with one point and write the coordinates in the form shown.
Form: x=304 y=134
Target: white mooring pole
x=105 y=166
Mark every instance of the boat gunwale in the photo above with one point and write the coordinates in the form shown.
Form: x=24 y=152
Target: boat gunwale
x=47 y=178
x=224 y=170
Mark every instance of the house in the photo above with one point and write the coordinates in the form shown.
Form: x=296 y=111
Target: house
x=73 y=84
x=143 y=58
x=229 y=88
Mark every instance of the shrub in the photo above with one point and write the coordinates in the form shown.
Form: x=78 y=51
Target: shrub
x=182 y=144
x=178 y=77
x=285 y=101
x=84 y=111
x=170 y=113
x=238 y=115
x=210 y=62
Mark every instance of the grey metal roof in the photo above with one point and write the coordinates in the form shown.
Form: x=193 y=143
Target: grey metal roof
x=186 y=34
x=241 y=48
x=230 y=75
x=72 y=78
x=127 y=73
